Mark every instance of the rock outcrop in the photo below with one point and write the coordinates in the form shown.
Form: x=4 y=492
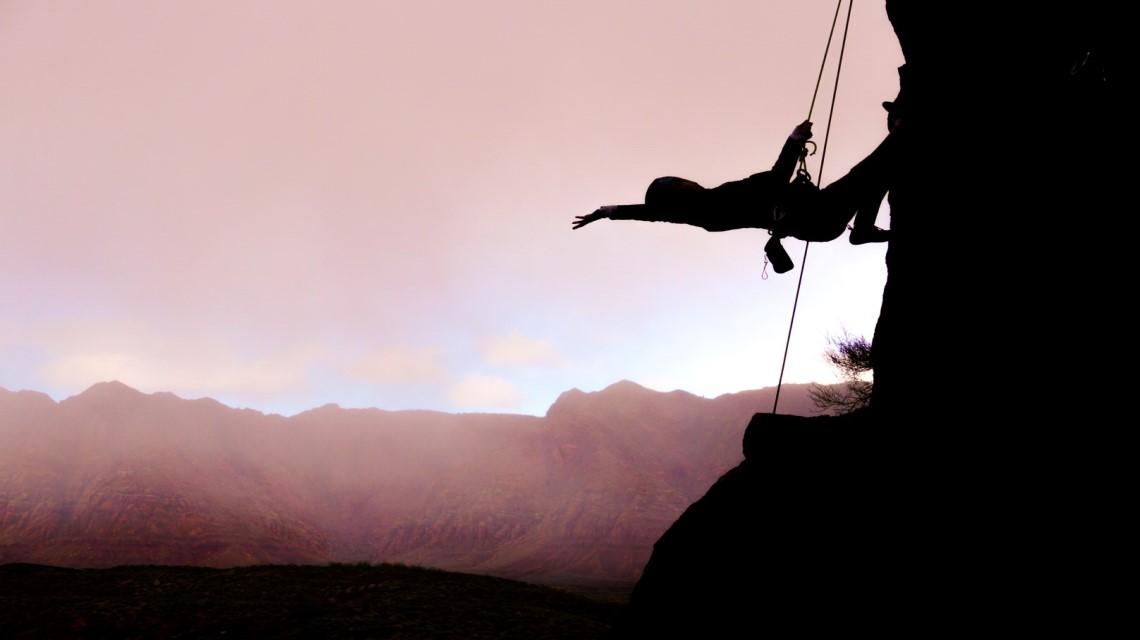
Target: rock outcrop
x=960 y=501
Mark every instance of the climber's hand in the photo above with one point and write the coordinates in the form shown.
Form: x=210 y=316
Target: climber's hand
x=581 y=221
x=802 y=132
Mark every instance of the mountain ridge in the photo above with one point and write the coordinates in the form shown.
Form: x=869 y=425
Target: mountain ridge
x=115 y=476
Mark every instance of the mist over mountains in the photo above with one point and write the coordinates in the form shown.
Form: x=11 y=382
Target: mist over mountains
x=114 y=476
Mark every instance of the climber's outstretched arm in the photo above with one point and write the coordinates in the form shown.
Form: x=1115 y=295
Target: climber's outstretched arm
x=626 y=212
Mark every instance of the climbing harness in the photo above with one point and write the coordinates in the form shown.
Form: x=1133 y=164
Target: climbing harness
x=803 y=175
x=774 y=253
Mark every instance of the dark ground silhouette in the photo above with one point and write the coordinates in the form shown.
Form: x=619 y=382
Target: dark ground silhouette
x=951 y=506
x=337 y=601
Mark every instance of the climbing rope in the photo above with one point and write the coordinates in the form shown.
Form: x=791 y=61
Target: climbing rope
x=826 y=51
x=822 y=160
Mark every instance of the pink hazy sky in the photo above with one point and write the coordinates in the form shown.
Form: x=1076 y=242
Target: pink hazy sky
x=281 y=204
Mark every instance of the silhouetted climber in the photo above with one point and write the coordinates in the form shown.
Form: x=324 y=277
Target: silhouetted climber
x=770 y=199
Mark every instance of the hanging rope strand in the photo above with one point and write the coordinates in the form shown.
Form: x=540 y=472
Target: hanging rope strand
x=822 y=160
x=823 y=63
x=834 y=94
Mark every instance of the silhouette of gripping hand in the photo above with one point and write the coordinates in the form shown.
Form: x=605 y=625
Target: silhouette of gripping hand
x=802 y=132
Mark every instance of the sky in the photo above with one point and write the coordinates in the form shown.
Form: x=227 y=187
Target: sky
x=282 y=204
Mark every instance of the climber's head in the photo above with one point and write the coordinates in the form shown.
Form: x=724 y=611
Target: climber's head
x=672 y=193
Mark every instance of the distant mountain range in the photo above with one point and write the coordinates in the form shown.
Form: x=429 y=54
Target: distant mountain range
x=114 y=476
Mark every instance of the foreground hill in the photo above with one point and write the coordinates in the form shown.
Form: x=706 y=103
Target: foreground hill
x=345 y=601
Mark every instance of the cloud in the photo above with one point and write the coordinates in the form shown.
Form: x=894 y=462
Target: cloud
x=517 y=350
x=485 y=392
x=400 y=365
x=182 y=373
x=71 y=357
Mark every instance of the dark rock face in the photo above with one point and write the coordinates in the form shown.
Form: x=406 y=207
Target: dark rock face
x=779 y=543
x=959 y=501
x=1008 y=123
